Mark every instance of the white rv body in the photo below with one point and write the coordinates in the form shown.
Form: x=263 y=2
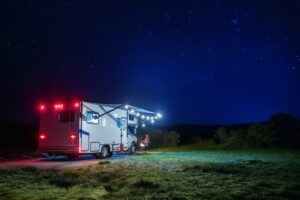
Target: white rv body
x=89 y=128
x=109 y=129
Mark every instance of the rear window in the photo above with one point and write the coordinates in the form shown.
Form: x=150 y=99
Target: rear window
x=66 y=116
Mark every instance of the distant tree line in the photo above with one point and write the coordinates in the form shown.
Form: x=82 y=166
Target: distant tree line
x=281 y=130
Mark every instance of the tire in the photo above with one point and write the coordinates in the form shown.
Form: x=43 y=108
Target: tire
x=104 y=152
x=132 y=148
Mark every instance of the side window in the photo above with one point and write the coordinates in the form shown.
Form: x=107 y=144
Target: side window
x=131 y=117
x=118 y=122
x=131 y=130
x=92 y=117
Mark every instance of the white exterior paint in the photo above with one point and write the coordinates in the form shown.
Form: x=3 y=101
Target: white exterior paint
x=94 y=125
x=105 y=130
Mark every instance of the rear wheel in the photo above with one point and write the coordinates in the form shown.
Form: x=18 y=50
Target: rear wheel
x=104 y=152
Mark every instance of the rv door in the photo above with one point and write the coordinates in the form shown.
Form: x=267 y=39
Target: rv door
x=123 y=129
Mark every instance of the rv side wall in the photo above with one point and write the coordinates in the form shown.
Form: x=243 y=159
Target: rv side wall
x=109 y=129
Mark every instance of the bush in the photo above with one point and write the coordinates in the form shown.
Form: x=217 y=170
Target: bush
x=171 y=138
x=222 y=135
x=159 y=138
x=281 y=130
x=196 y=140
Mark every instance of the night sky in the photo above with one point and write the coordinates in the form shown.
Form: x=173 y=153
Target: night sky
x=199 y=62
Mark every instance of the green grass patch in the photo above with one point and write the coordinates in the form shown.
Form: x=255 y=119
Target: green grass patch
x=201 y=174
x=192 y=147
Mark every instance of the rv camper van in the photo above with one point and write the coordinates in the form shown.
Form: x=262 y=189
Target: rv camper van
x=82 y=127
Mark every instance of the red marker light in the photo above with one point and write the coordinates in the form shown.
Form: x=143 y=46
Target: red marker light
x=72 y=136
x=42 y=136
x=76 y=104
x=58 y=106
x=42 y=107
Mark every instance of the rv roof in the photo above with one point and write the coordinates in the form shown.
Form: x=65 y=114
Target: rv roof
x=136 y=109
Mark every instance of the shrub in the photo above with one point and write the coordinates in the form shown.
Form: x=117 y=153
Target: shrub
x=282 y=130
x=222 y=135
x=196 y=140
x=160 y=138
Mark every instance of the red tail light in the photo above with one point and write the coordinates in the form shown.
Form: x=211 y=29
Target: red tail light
x=73 y=136
x=42 y=136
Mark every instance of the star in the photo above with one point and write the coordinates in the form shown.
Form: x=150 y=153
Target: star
x=234 y=21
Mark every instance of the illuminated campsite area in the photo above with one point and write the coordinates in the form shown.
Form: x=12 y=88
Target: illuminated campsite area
x=170 y=173
x=150 y=99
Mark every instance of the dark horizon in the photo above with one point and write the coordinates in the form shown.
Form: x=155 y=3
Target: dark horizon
x=196 y=62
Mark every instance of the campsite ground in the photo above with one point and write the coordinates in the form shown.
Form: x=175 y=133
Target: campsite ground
x=170 y=173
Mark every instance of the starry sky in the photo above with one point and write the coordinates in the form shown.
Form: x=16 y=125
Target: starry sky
x=197 y=62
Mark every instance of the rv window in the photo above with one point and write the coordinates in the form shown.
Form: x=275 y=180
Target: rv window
x=92 y=117
x=131 y=117
x=66 y=116
x=131 y=130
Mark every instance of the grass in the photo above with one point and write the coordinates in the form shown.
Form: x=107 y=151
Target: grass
x=191 y=147
x=197 y=174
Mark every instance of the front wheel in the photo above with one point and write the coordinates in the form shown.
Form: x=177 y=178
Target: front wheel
x=132 y=148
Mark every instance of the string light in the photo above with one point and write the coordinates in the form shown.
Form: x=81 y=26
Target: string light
x=126 y=107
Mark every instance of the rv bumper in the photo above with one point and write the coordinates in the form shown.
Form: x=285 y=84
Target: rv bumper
x=58 y=149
